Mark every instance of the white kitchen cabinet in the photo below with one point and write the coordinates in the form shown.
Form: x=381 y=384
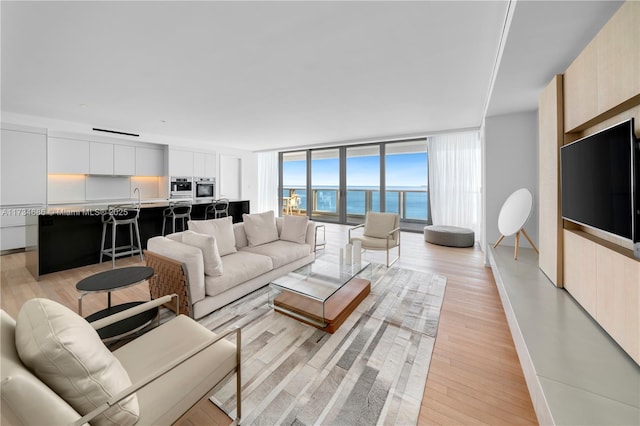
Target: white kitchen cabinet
x=204 y=164
x=100 y=158
x=181 y=163
x=124 y=160
x=68 y=156
x=198 y=164
x=24 y=166
x=209 y=165
x=149 y=161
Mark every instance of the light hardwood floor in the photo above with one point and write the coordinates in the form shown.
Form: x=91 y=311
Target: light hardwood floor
x=475 y=376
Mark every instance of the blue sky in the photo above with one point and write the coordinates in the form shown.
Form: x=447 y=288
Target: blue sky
x=402 y=170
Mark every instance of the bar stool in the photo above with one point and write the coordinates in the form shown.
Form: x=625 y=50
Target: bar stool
x=176 y=210
x=221 y=208
x=115 y=216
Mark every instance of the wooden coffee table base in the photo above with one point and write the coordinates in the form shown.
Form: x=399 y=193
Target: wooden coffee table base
x=337 y=308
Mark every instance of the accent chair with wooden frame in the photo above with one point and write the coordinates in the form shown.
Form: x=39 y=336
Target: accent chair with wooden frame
x=381 y=232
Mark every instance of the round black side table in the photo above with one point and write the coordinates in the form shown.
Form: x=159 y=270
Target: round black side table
x=108 y=281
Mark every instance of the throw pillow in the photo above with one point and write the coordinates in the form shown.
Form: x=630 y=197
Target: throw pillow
x=260 y=228
x=66 y=353
x=377 y=225
x=210 y=254
x=221 y=229
x=294 y=229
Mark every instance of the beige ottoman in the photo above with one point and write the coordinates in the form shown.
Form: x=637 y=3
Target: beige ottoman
x=450 y=236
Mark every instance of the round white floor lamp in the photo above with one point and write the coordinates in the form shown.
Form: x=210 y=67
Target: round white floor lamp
x=513 y=215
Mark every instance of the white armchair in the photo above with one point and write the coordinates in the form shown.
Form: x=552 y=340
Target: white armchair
x=55 y=370
x=381 y=232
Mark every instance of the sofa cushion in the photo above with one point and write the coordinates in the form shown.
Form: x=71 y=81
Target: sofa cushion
x=221 y=228
x=260 y=228
x=164 y=400
x=294 y=229
x=210 y=255
x=189 y=255
x=281 y=252
x=66 y=353
x=238 y=268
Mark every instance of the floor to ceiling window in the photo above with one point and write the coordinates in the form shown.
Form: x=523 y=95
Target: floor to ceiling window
x=362 y=181
x=325 y=185
x=406 y=179
x=294 y=182
x=436 y=179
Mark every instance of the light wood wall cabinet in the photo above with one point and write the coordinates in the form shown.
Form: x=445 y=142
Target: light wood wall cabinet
x=605 y=78
x=551 y=135
x=605 y=283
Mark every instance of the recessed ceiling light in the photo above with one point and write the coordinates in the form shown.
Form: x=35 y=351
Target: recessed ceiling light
x=163 y=121
x=83 y=105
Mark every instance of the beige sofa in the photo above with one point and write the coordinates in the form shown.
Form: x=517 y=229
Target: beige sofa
x=180 y=267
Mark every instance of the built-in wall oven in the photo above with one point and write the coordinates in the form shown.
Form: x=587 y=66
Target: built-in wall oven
x=181 y=187
x=205 y=187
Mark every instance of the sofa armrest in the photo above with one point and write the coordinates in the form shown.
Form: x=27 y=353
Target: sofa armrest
x=176 y=363
x=311 y=235
x=170 y=277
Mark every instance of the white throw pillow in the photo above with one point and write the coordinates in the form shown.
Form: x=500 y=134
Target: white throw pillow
x=260 y=228
x=210 y=254
x=66 y=353
x=377 y=225
x=294 y=229
x=221 y=229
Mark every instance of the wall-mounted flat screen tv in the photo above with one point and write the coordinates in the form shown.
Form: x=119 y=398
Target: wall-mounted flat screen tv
x=599 y=180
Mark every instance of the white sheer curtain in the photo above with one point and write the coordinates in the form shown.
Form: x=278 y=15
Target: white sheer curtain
x=268 y=182
x=455 y=180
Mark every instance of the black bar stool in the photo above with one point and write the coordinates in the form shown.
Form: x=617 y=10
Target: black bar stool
x=115 y=216
x=176 y=210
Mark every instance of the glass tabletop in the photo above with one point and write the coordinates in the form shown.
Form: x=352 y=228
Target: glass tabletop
x=319 y=279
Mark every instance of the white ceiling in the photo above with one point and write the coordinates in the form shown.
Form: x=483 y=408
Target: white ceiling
x=266 y=75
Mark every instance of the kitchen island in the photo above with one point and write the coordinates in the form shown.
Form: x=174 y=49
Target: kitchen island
x=69 y=236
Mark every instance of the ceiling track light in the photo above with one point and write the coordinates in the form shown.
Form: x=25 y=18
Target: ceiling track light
x=116 y=132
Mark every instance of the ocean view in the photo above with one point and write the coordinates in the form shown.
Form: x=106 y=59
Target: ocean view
x=415 y=199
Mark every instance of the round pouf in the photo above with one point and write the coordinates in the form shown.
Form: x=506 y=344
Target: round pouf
x=450 y=236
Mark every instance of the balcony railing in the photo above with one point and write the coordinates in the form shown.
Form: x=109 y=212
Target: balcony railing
x=412 y=205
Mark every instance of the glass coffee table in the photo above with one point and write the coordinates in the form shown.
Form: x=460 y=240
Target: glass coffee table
x=322 y=294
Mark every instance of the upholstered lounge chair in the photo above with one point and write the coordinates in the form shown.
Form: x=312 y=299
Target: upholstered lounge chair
x=55 y=370
x=381 y=232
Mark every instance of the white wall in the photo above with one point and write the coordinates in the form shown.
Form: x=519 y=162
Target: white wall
x=510 y=162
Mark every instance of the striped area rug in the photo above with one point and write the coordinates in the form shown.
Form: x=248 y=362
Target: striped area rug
x=371 y=370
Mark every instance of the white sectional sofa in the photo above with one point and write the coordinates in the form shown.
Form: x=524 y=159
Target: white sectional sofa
x=244 y=257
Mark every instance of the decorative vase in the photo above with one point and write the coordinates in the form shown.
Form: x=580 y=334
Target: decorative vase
x=357 y=252
x=348 y=249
